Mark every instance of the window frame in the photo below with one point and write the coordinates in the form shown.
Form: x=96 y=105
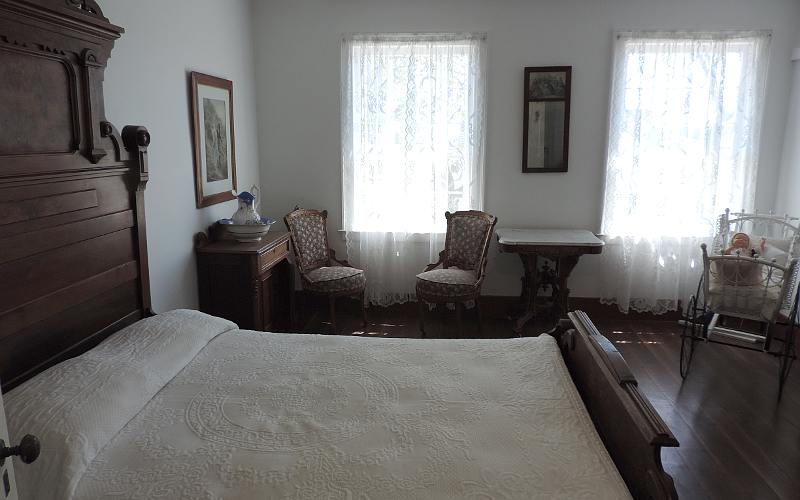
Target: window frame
x=760 y=40
x=477 y=202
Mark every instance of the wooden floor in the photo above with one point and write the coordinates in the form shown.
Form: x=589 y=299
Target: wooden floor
x=736 y=441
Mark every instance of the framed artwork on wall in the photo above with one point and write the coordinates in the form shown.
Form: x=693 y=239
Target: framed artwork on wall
x=214 y=140
x=545 y=127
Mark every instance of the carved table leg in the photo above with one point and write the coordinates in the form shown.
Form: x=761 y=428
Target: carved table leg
x=530 y=285
x=292 y=296
x=565 y=267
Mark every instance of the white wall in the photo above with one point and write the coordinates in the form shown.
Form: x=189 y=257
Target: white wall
x=297 y=54
x=789 y=189
x=146 y=84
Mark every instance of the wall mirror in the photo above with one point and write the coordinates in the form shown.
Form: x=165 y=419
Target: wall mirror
x=545 y=128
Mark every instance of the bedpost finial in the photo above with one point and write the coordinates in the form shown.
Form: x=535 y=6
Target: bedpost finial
x=87 y=7
x=143 y=138
x=135 y=137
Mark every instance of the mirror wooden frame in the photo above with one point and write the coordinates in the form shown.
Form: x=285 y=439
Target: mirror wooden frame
x=528 y=98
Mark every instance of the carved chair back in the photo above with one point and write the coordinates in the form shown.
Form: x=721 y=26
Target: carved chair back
x=309 y=235
x=469 y=234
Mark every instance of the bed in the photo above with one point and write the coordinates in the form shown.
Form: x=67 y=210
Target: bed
x=185 y=405
x=130 y=404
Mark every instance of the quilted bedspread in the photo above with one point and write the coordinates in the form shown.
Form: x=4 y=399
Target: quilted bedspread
x=272 y=416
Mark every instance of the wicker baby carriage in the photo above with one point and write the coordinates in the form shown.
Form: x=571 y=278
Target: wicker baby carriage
x=747 y=289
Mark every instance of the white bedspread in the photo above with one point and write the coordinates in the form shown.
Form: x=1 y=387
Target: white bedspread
x=272 y=416
x=77 y=406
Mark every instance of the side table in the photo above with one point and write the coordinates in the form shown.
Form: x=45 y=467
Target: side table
x=563 y=246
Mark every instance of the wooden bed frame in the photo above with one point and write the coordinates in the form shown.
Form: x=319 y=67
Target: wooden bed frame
x=632 y=430
x=73 y=246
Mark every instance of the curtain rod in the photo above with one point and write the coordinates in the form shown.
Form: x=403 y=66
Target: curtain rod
x=709 y=34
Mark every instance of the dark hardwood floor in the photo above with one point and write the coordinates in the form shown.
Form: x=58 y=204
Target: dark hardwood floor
x=736 y=440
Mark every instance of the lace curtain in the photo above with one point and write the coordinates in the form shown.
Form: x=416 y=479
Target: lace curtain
x=685 y=122
x=413 y=124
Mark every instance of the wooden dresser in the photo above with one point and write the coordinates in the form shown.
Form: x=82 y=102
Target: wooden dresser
x=251 y=284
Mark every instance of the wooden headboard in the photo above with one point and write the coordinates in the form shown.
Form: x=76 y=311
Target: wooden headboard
x=73 y=249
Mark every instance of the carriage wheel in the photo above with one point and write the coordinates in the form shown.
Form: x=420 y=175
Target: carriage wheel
x=690 y=335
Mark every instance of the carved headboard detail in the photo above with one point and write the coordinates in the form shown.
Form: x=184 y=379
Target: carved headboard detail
x=87 y=6
x=73 y=245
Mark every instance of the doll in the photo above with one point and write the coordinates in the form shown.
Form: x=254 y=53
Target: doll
x=740 y=243
x=740 y=273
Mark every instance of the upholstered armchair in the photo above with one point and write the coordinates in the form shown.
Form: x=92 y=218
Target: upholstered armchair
x=320 y=271
x=463 y=262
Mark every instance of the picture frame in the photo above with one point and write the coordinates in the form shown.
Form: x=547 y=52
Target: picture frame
x=545 y=127
x=214 y=139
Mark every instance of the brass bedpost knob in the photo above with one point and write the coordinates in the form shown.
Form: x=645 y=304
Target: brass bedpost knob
x=28 y=449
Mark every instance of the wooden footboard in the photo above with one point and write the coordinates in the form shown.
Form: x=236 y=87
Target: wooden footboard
x=631 y=429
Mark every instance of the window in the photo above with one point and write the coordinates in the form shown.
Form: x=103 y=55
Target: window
x=684 y=130
x=412 y=130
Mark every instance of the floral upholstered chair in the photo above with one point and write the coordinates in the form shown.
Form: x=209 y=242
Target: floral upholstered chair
x=320 y=272
x=463 y=262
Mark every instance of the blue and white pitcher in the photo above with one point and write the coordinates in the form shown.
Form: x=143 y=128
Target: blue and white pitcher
x=248 y=207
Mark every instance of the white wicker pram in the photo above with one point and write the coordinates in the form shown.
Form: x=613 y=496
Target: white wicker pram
x=749 y=279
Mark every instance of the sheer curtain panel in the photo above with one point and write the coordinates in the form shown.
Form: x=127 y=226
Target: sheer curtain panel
x=684 y=130
x=413 y=120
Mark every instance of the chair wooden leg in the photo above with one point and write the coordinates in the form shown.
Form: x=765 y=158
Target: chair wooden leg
x=363 y=310
x=332 y=304
x=422 y=307
x=479 y=315
x=459 y=312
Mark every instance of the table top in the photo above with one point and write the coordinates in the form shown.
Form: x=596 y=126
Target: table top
x=548 y=237
x=268 y=241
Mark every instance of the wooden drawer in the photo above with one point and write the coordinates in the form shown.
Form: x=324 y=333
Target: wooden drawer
x=270 y=257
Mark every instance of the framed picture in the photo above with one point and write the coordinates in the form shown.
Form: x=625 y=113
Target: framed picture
x=545 y=127
x=214 y=140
